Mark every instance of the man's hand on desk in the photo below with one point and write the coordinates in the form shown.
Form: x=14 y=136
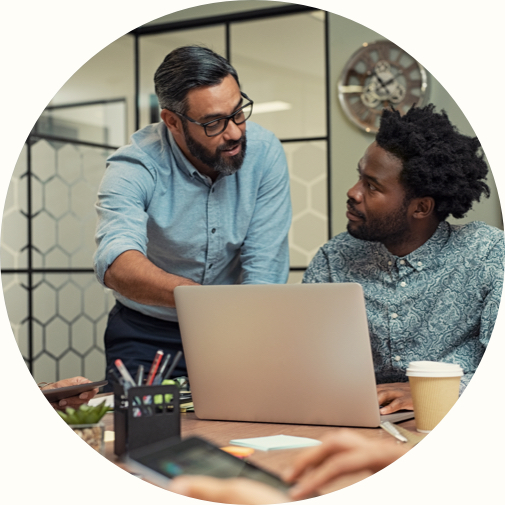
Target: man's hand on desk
x=237 y=490
x=394 y=396
x=74 y=401
x=342 y=452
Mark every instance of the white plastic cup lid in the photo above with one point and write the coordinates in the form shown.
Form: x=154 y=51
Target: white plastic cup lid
x=433 y=369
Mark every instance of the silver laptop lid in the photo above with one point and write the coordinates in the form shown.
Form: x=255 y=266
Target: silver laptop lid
x=296 y=353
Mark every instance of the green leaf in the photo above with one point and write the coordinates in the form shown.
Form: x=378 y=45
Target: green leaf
x=86 y=414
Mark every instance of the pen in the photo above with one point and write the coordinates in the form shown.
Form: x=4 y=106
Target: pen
x=161 y=371
x=140 y=375
x=115 y=375
x=154 y=367
x=172 y=366
x=391 y=429
x=129 y=382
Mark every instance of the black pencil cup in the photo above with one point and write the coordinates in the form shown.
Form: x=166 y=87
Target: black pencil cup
x=145 y=415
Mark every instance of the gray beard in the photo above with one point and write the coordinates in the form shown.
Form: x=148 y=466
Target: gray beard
x=220 y=164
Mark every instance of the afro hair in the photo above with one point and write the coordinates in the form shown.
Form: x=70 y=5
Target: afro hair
x=438 y=161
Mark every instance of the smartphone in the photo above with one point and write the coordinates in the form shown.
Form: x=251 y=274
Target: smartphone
x=55 y=395
x=165 y=460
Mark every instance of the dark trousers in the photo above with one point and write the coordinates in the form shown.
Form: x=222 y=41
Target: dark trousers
x=134 y=338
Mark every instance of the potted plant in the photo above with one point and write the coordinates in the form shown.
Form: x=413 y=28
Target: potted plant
x=85 y=421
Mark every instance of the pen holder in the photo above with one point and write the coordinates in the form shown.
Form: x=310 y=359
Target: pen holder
x=145 y=415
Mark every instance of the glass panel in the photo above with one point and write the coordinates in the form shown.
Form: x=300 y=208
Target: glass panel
x=280 y=63
x=102 y=123
x=16 y=301
x=69 y=318
x=309 y=197
x=13 y=252
x=64 y=188
x=152 y=52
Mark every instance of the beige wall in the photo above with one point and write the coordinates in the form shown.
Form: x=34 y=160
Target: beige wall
x=349 y=142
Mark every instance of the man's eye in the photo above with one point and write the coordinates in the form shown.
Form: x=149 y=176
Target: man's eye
x=371 y=187
x=214 y=126
x=239 y=116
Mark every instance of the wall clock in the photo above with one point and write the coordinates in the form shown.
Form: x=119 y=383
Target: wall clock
x=380 y=74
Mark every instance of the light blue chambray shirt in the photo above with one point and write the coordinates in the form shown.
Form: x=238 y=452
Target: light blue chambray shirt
x=439 y=303
x=153 y=200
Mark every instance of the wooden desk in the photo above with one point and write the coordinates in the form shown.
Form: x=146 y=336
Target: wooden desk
x=221 y=432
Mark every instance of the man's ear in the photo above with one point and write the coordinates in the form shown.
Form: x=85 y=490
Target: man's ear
x=423 y=207
x=172 y=121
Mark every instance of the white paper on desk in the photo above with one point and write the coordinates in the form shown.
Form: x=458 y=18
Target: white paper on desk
x=275 y=442
x=109 y=401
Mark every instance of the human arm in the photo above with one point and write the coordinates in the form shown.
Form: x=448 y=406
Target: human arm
x=73 y=401
x=491 y=279
x=264 y=254
x=121 y=261
x=236 y=490
x=137 y=278
x=318 y=270
x=340 y=453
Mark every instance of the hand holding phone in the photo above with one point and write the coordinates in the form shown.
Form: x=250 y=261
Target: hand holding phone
x=69 y=392
x=163 y=461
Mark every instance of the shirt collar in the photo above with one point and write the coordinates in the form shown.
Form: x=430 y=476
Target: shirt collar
x=182 y=161
x=424 y=256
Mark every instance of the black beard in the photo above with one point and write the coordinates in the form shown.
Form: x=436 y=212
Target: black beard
x=225 y=166
x=391 y=229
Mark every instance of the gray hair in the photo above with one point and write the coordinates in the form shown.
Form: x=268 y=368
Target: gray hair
x=186 y=68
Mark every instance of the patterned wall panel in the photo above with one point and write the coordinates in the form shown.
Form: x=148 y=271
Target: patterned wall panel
x=16 y=300
x=309 y=196
x=65 y=181
x=56 y=307
x=69 y=318
x=13 y=246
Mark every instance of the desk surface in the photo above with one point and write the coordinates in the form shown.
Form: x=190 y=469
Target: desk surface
x=221 y=432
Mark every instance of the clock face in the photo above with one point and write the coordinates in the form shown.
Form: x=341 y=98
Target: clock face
x=377 y=76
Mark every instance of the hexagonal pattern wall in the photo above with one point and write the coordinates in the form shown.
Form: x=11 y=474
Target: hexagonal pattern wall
x=307 y=163
x=56 y=307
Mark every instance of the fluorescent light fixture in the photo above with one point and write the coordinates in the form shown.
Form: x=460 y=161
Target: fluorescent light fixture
x=260 y=108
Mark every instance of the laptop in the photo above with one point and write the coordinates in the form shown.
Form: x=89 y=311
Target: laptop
x=280 y=353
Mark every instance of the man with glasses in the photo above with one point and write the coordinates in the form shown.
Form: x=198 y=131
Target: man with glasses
x=200 y=198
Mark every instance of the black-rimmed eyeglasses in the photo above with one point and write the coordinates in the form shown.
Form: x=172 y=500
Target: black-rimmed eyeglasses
x=217 y=126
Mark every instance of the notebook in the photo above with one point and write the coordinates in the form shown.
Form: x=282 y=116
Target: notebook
x=275 y=442
x=292 y=353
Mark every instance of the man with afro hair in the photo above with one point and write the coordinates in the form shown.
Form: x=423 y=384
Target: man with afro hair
x=432 y=289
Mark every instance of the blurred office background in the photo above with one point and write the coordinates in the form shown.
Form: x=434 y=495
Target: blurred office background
x=289 y=59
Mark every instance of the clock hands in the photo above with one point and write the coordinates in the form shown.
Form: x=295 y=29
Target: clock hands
x=379 y=89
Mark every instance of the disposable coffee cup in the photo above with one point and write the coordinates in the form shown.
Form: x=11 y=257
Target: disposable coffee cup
x=435 y=389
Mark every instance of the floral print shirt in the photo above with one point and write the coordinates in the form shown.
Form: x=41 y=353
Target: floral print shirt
x=439 y=303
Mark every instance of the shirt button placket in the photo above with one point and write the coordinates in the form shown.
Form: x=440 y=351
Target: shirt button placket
x=212 y=219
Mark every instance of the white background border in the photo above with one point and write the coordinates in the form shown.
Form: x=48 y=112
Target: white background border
x=44 y=42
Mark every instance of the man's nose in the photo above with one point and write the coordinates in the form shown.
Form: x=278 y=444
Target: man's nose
x=233 y=131
x=355 y=193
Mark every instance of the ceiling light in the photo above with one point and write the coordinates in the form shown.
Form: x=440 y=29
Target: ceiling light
x=260 y=108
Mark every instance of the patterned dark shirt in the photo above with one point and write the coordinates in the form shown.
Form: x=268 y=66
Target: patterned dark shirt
x=438 y=303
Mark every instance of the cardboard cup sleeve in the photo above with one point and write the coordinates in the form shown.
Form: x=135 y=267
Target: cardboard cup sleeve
x=435 y=390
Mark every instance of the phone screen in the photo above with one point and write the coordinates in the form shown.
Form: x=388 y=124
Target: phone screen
x=195 y=456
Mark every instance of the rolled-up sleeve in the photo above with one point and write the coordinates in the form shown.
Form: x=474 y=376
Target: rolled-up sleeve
x=123 y=198
x=265 y=252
